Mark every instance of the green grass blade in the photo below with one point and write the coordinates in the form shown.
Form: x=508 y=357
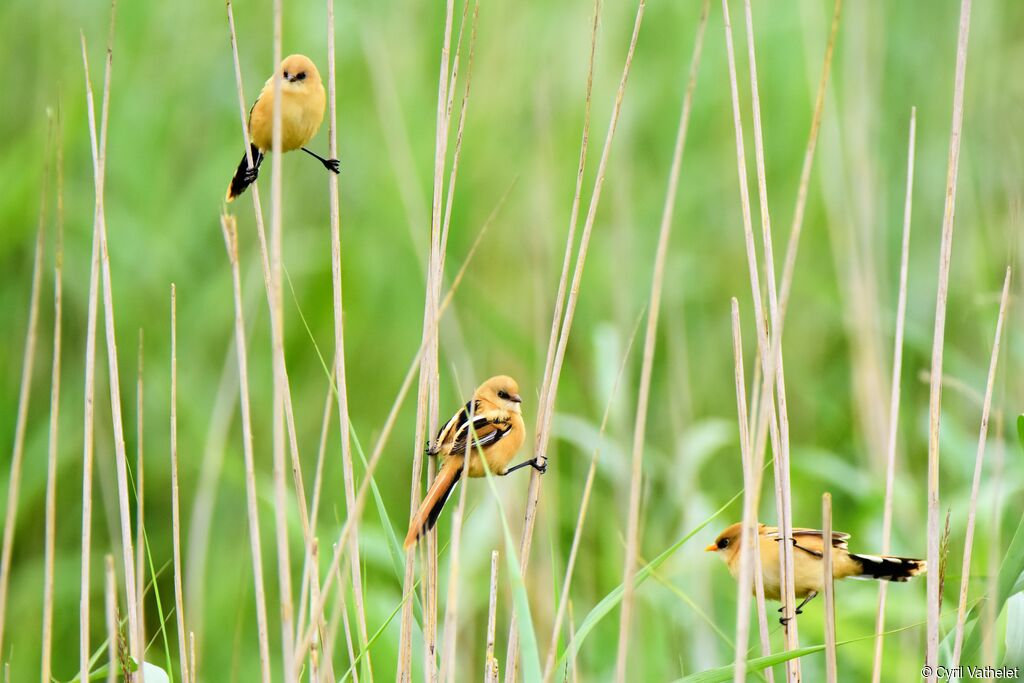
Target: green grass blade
x=610 y=601
x=1008 y=583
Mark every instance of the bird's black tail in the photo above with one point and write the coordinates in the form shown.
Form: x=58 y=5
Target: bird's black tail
x=245 y=176
x=889 y=568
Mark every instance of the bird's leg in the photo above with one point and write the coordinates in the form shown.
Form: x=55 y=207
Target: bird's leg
x=799 y=608
x=542 y=468
x=252 y=171
x=332 y=165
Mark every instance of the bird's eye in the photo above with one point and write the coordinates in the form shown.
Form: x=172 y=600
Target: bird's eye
x=722 y=543
x=503 y=395
x=286 y=75
x=301 y=76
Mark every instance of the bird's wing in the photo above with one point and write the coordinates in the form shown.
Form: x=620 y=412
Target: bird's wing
x=486 y=433
x=839 y=538
x=248 y=121
x=452 y=426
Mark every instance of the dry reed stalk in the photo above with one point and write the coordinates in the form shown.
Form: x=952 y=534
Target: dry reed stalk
x=385 y=433
x=989 y=646
x=88 y=429
x=342 y=608
x=805 y=172
x=965 y=573
x=192 y=655
x=51 y=467
x=325 y=424
x=88 y=450
x=751 y=500
x=438 y=241
x=339 y=343
x=281 y=372
x=277 y=342
x=427 y=390
x=230 y=231
x=113 y=633
x=894 y=398
x=588 y=485
x=830 y=600
x=121 y=458
x=208 y=485
x=447 y=672
x=140 y=497
x=24 y=394
x=770 y=352
x=491 y=674
x=647 y=365
x=179 y=603
x=549 y=388
x=938 y=343
x=782 y=469
x=314 y=595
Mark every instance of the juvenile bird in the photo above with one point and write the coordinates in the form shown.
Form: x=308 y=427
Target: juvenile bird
x=302 y=111
x=494 y=417
x=808 y=577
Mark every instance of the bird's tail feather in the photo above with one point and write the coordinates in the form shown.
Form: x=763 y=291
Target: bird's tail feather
x=437 y=496
x=889 y=568
x=242 y=179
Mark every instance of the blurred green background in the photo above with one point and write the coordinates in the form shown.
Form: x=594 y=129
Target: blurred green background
x=174 y=142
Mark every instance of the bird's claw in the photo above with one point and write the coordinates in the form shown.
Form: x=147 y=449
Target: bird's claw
x=540 y=467
x=333 y=165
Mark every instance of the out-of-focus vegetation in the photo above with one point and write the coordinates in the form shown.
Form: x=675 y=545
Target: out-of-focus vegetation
x=174 y=142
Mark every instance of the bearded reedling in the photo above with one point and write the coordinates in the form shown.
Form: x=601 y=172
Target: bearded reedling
x=302 y=111
x=494 y=419
x=808 y=546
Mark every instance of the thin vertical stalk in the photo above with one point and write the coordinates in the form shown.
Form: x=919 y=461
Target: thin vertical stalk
x=647 y=365
x=113 y=632
x=965 y=573
x=276 y=321
x=830 y=600
x=770 y=351
x=378 y=449
x=427 y=390
x=751 y=499
x=121 y=458
x=179 y=602
x=88 y=429
x=24 y=395
x=570 y=565
x=52 y=451
x=447 y=673
x=894 y=398
x=938 y=343
x=339 y=341
x=490 y=662
x=549 y=389
x=795 y=229
x=782 y=460
x=277 y=332
x=140 y=498
x=251 y=497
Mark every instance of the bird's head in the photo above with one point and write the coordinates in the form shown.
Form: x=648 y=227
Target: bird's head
x=501 y=391
x=298 y=72
x=728 y=542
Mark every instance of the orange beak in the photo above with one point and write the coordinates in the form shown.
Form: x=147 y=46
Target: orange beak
x=711 y=548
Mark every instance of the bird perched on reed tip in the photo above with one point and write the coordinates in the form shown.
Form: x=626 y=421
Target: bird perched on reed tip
x=302 y=111
x=808 y=551
x=495 y=421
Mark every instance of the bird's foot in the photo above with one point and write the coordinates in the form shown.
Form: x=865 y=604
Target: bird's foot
x=541 y=467
x=332 y=165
